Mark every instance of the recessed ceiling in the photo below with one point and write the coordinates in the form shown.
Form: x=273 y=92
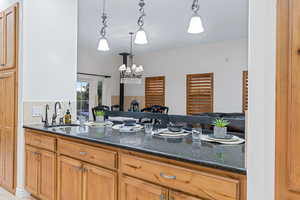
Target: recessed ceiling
x=166 y=23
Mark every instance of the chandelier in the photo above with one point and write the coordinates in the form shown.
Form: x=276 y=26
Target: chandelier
x=131 y=74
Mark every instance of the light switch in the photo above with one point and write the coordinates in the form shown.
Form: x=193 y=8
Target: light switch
x=36 y=111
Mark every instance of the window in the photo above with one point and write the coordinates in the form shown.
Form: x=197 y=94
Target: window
x=89 y=95
x=200 y=92
x=245 y=91
x=155 y=91
x=83 y=93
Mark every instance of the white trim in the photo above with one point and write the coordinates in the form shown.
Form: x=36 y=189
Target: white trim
x=22 y=193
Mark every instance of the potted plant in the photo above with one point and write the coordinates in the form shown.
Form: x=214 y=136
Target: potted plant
x=99 y=116
x=220 y=127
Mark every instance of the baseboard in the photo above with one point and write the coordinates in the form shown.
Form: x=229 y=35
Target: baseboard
x=22 y=193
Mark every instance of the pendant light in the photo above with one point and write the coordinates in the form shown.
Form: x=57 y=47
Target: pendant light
x=141 y=36
x=103 y=43
x=196 y=25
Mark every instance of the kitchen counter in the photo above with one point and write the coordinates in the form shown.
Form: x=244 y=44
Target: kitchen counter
x=225 y=157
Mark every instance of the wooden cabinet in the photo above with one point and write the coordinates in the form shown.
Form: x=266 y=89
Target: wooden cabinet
x=1 y=40
x=8 y=96
x=180 y=196
x=80 y=181
x=7 y=129
x=98 y=183
x=69 y=179
x=32 y=170
x=133 y=189
x=100 y=172
x=9 y=42
x=194 y=182
x=40 y=174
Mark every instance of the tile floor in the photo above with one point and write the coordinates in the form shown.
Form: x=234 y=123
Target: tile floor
x=4 y=195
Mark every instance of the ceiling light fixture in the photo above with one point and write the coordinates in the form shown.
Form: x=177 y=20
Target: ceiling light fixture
x=131 y=74
x=196 y=25
x=141 y=36
x=103 y=43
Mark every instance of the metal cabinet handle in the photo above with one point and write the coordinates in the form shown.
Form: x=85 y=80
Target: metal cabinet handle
x=166 y=176
x=82 y=153
x=78 y=168
x=2 y=65
x=162 y=197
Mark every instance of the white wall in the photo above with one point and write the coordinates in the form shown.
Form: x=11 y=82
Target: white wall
x=47 y=59
x=261 y=134
x=50 y=50
x=6 y=3
x=225 y=59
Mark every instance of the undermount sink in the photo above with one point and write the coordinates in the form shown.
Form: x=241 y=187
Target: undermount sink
x=62 y=125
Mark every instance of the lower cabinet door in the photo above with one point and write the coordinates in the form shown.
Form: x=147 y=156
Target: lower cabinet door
x=180 y=196
x=31 y=170
x=99 y=183
x=134 y=189
x=70 y=173
x=8 y=148
x=47 y=177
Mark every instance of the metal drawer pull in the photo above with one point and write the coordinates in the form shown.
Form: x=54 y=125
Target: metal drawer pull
x=167 y=177
x=2 y=65
x=162 y=197
x=82 y=153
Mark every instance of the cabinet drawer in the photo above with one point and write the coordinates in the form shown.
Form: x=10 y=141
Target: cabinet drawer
x=39 y=140
x=88 y=153
x=201 y=184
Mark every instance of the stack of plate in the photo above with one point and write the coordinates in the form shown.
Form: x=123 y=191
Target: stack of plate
x=229 y=139
x=170 y=134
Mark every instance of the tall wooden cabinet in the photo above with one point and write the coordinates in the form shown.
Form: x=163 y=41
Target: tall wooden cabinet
x=8 y=96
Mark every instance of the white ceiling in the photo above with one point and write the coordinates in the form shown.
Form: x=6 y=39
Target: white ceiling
x=166 y=23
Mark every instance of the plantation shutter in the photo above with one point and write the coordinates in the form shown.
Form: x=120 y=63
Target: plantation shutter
x=155 y=91
x=245 y=91
x=200 y=93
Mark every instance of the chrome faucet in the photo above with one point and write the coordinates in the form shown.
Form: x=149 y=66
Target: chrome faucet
x=46 y=124
x=55 y=112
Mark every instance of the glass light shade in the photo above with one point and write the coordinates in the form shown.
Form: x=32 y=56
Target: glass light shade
x=196 y=25
x=103 y=44
x=140 y=68
x=122 y=68
x=128 y=70
x=141 y=37
x=133 y=67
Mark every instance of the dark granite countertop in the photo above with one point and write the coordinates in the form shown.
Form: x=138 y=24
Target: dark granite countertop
x=225 y=157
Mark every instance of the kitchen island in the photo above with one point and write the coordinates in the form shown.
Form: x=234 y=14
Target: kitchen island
x=101 y=163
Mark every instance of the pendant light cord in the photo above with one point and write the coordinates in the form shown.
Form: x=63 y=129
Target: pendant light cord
x=195 y=6
x=131 y=48
x=104 y=20
x=142 y=12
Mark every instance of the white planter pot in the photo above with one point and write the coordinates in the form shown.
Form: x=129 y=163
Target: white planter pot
x=220 y=132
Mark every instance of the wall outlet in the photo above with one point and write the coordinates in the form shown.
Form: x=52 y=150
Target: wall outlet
x=36 y=111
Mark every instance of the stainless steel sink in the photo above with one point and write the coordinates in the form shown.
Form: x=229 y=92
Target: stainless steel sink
x=62 y=125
